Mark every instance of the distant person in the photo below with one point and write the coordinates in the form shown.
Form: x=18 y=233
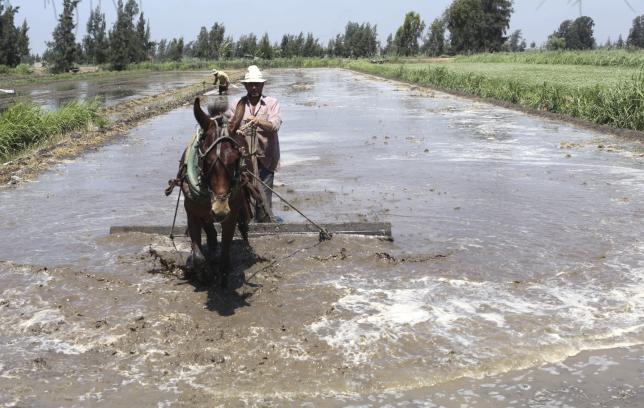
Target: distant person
x=258 y=117
x=221 y=80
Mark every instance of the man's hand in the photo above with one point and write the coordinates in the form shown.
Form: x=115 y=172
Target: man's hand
x=264 y=124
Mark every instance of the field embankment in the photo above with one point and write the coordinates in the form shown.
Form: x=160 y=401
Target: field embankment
x=76 y=130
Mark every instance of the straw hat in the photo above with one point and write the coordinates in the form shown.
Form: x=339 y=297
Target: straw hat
x=214 y=72
x=253 y=75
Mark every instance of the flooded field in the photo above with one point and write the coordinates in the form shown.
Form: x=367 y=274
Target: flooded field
x=109 y=90
x=515 y=278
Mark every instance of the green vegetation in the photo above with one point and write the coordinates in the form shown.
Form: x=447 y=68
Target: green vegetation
x=619 y=105
x=24 y=125
x=605 y=58
x=63 y=51
x=478 y=26
x=22 y=69
x=196 y=64
x=565 y=76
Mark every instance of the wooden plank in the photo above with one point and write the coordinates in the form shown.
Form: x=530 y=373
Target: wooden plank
x=378 y=229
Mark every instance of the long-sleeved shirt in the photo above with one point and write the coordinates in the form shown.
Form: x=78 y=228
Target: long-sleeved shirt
x=221 y=78
x=268 y=148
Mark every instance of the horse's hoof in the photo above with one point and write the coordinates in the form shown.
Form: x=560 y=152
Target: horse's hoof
x=198 y=260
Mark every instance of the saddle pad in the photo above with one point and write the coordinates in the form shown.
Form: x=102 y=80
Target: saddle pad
x=193 y=172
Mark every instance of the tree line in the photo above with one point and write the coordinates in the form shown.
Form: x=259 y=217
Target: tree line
x=14 y=41
x=465 y=27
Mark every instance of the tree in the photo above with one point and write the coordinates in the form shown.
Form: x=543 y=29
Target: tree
x=265 y=49
x=478 y=25
x=580 y=36
x=577 y=35
x=175 y=49
x=9 y=37
x=162 y=49
x=63 y=49
x=95 y=43
x=129 y=43
x=119 y=39
x=406 y=39
x=201 y=46
x=390 y=47
x=142 y=43
x=23 y=42
x=555 y=43
x=620 y=42
x=515 y=43
x=636 y=34
x=435 y=44
x=216 y=41
x=246 y=46
x=131 y=9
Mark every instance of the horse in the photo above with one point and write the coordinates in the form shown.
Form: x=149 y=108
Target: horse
x=222 y=163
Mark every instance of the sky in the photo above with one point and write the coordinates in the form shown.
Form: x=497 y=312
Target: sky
x=325 y=18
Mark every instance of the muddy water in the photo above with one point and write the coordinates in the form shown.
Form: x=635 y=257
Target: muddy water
x=515 y=278
x=108 y=90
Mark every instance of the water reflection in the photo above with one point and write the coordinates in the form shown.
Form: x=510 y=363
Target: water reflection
x=109 y=90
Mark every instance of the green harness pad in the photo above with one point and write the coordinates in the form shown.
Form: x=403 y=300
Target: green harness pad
x=193 y=171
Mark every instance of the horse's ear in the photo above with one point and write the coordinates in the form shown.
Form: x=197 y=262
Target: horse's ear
x=203 y=119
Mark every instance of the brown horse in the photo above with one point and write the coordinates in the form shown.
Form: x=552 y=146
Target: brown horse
x=223 y=174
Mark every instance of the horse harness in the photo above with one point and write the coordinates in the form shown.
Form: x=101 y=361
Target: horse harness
x=206 y=172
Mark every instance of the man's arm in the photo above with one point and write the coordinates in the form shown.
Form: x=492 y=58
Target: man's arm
x=274 y=121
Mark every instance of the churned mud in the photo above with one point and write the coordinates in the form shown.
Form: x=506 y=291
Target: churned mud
x=146 y=333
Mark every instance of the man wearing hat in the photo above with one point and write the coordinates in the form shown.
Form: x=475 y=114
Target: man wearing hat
x=222 y=79
x=257 y=116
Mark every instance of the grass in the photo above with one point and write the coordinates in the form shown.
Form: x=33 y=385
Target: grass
x=604 y=58
x=22 y=69
x=567 y=76
x=23 y=125
x=619 y=103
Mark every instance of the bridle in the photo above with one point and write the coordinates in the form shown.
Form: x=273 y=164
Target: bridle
x=208 y=168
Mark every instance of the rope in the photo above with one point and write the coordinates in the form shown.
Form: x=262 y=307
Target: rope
x=324 y=234
x=174 y=220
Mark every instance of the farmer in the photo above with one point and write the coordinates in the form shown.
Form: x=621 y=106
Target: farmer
x=259 y=122
x=222 y=80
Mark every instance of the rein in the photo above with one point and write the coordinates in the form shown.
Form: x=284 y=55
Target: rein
x=206 y=173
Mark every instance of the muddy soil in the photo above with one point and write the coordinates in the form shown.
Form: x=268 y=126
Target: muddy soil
x=515 y=276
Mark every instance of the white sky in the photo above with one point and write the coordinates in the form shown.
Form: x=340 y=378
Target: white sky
x=175 y=18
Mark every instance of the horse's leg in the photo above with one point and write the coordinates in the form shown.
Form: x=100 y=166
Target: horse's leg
x=242 y=223
x=227 y=232
x=194 y=230
x=211 y=236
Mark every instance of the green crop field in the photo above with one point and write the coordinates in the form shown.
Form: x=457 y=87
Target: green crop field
x=612 y=96
x=605 y=58
x=573 y=76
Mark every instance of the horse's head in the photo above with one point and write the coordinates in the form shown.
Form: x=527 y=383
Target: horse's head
x=221 y=168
